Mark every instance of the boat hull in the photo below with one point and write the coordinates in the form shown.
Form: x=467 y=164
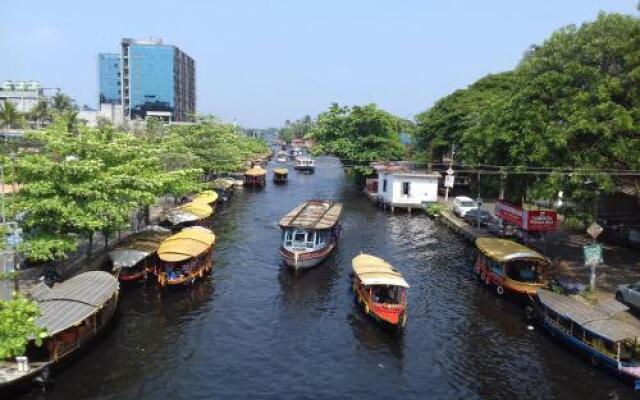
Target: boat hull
x=395 y=317
x=305 y=168
x=302 y=261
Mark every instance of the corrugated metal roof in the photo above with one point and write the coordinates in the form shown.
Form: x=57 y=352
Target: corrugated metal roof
x=313 y=214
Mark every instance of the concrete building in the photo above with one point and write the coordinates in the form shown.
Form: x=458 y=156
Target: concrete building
x=23 y=94
x=148 y=78
x=399 y=185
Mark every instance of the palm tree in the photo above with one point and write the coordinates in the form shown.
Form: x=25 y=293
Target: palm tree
x=40 y=113
x=70 y=120
x=61 y=103
x=9 y=116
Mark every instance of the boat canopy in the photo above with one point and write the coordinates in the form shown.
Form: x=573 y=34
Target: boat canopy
x=137 y=246
x=503 y=250
x=313 y=214
x=193 y=211
x=280 y=171
x=255 y=171
x=599 y=320
x=189 y=242
x=206 y=197
x=222 y=183
x=73 y=300
x=372 y=270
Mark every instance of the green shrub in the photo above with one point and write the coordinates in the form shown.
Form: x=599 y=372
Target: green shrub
x=434 y=209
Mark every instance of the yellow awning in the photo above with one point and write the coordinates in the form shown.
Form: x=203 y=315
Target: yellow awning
x=372 y=270
x=255 y=171
x=280 y=171
x=206 y=196
x=503 y=250
x=189 y=242
x=199 y=209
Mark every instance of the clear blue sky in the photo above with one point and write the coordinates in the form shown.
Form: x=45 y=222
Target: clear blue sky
x=265 y=61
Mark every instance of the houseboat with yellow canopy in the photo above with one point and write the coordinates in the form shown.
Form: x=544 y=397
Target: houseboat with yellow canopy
x=133 y=258
x=380 y=289
x=604 y=334
x=280 y=175
x=73 y=314
x=310 y=233
x=510 y=267
x=185 y=257
x=255 y=177
x=189 y=214
x=209 y=197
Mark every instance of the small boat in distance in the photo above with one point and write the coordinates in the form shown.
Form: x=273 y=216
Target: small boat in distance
x=255 y=177
x=305 y=164
x=380 y=289
x=185 y=256
x=134 y=257
x=598 y=333
x=310 y=233
x=510 y=267
x=280 y=175
x=282 y=158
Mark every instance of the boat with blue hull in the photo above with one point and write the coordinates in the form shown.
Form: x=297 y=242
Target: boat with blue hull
x=598 y=333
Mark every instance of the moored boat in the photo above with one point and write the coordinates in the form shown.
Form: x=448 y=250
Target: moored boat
x=305 y=164
x=282 y=159
x=310 y=233
x=510 y=267
x=255 y=177
x=381 y=289
x=185 y=257
x=295 y=152
x=209 y=197
x=224 y=187
x=597 y=333
x=189 y=214
x=280 y=175
x=133 y=258
x=73 y=313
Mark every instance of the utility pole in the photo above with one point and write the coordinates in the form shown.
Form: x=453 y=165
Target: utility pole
x=449 y=172
x=4 y=217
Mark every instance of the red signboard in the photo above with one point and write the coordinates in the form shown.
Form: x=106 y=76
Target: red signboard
x=529 y=220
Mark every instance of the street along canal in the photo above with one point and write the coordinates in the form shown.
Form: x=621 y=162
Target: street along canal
x=254 y=330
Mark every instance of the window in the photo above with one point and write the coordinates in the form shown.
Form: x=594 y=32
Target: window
x=406 y=186
x=384 y=185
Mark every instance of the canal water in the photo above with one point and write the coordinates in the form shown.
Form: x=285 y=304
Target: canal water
x=254 y=330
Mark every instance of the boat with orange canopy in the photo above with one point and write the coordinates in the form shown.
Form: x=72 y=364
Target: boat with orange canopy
x=185 y=257
x=380 y=289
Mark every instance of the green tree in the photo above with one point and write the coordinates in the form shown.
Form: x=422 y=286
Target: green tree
x=298 y=129
x=18 y=327
x=60 y=103
x=40 y=113
x=10 y=118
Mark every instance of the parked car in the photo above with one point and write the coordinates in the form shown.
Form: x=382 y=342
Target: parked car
x=462 y=205
x=472 y=216
x=629 y=294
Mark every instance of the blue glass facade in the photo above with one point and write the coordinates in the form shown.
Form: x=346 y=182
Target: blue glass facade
x=151 y=77
x=109 y=78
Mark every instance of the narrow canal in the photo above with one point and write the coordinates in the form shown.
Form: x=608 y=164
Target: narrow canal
x=253 y=330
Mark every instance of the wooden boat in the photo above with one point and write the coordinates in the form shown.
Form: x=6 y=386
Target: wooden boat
x=209 y=197
x=280 y=175
x=510 y=267
x=133 y=258
x=380 y=289
x=224 y=187
x=255 y=177
x=238 y=178
x=74 y=313
x=185 y=256
x=305 y=164
x=310 y=233
x=189 y=214
x=597 y=333
x=282 y=159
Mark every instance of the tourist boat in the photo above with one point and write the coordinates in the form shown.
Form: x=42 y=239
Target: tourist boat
x=295 y=152
x=380 y=289
x=133 y=258
x=224 y=188
x=310 y=233
x=74 y=313
x=185 y=256
x=209 y=197
x=282 y=158
x=597 y=333
x=189 y=214
x=280 y=175
x=305 y=164
x=510 y=267
x=255 y=177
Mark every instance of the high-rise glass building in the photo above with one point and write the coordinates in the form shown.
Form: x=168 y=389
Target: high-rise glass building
x=153 y=79
x=109 y=71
